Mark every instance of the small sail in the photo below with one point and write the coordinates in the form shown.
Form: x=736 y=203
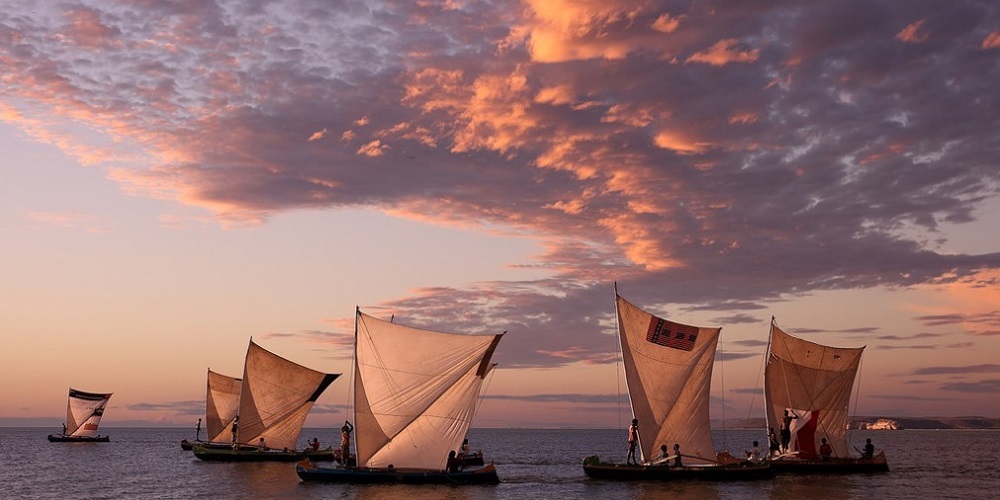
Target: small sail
x=275 y=398
x=813 y=382
x=415 y=392
x=222 y=401
x=84 y=412
x=668 y=371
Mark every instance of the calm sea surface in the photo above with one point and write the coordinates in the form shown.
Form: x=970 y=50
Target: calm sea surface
x=148 y=463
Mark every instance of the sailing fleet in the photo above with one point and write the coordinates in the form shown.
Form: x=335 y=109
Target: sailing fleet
x=415 y=395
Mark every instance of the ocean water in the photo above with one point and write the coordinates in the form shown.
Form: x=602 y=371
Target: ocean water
x=149 y=464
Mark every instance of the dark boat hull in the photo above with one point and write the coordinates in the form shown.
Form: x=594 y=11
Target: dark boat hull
x=308 y=471
x=213 y=454
x=189 y=445
x=743 y=471
x=78 y=439
x=875 y=464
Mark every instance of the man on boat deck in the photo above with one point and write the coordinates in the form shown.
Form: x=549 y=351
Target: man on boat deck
x=774 y=447
x=677 y=455
x=345 y=443
x=869 y=449
x=825 y=450
x=261 y=445
x=197 y=431
x=314 y=444
x=633 y=439
x=453 y=464
x=235 y=429
x=786 y=430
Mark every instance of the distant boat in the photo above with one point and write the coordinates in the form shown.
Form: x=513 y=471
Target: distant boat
x=83 y=416
x=813 y=382
x=275 y=398
x=222 y=403
x=415 y=395
x=668 y=371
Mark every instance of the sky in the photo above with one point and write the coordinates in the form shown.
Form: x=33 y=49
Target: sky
x=181 y=176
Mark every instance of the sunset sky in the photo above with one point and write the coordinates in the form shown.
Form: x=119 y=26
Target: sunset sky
x=178 y=176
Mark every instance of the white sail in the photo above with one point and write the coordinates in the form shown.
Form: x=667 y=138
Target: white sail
x=813 y=382
x=222 y=402
x=275 y=398
x=84 y=412
x=415 y=392
x=668 y=370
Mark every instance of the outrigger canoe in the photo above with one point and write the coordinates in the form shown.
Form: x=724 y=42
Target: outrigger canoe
x=308 y=471
x=78 y=439
x=243 y=455
x=738 y=471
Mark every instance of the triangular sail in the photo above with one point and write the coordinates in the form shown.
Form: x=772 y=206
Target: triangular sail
x=275 y=398
x=84 y=412
x=814 y=382
x=415 y=392
x=668 y=370
x=222 y=402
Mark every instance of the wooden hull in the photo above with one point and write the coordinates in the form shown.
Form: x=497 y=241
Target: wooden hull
x=308 y=471
x=213 y=454
x=875 y=464
x=78 y=439
x=189 y=446
x=743 y=471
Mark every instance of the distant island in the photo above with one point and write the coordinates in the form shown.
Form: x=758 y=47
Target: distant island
x=884 y=423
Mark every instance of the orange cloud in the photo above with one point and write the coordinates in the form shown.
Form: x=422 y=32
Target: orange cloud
x=725 y=52
x=373 y=148
x=911 y=33
x=680 y=144
x=667 y=24
x=992 y=41
x=567 y=30
x=317 y=135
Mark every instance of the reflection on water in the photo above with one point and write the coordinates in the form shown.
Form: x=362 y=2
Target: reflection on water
x=148 y=463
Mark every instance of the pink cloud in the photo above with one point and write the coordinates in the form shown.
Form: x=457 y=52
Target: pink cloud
x=912 y=33
x=725 y=52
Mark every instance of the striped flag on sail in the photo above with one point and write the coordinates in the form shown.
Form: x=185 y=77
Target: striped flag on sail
x=670 y=334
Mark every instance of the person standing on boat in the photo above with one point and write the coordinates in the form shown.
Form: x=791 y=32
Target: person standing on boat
x=677 y=455
x=633 y=440
x=314 y=444
x=197 y=431
x=64 y=429
x=774 y=447
x=235 y=431
x=345 y=443
x=261 y=445
x=786 y=430
x=869 y=450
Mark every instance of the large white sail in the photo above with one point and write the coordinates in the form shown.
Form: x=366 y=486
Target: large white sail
x=222 y=402
x=275 y=398
x=415 y=392
x=668 y=370
x=84 y=412
x=814 y=382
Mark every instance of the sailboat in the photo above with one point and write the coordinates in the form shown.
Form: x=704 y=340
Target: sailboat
x=275 y=398
x=415 y=395
x=668 y=372
x=811 y=384
x=222 y=403
x=83 y=416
